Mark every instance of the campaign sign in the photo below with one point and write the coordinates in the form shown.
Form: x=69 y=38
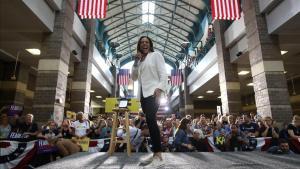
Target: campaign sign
x=15 y=110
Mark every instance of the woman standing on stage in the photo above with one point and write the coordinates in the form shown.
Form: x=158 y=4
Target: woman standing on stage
x=149 y=69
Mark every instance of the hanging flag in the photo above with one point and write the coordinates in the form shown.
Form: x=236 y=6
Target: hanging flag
x=92 y=9
x=176 y=77
x=123 y=77
x=225 y=9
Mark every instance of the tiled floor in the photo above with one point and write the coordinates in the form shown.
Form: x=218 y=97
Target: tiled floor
x=220 y=160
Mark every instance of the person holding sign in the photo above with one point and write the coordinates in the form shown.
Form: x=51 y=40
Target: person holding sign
x=149 y=69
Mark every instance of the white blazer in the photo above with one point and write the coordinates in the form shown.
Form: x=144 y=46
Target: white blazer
x=151 y=74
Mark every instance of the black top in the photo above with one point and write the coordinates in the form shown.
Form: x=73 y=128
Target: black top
x=33 y=127
x=269 y=133
x=199 y=145
x=295 y=129
x=66 y=134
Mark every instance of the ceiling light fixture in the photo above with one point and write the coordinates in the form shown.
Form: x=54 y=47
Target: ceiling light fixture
x=243 y=72
x=209 y=91
x=92 y=91
x=34 y=51
x=250 y=84
x=283 y=52
x=219 y=97
x=98 y=97
x=200 y=97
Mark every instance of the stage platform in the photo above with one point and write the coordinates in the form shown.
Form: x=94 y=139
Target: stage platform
x=220 y=160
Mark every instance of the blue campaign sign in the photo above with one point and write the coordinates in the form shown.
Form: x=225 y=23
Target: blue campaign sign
x=15 y=110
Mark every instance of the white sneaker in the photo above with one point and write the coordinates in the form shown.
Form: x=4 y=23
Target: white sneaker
x=146 y=160
x=156 y=163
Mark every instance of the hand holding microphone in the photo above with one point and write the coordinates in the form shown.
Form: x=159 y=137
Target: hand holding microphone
x=138 y=58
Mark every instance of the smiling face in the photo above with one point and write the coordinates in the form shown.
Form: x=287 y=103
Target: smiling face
x=144 y=45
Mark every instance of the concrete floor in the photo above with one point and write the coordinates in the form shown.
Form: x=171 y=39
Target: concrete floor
x=221 y=160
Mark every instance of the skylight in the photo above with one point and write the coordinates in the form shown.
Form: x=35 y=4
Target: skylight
x=148 y=9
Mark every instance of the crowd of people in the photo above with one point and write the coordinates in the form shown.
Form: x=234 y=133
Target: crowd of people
x=229 y=132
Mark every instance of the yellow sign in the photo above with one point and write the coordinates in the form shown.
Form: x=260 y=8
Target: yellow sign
x=110 y=104
x=84 y=143
x=71 y=115
x=220 y=140
x=134 y=105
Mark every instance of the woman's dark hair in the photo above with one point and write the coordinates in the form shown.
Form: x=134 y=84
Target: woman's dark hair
x=150 y=41
x=183 y=124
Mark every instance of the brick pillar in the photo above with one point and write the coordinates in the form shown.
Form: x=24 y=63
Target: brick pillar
x=228 y=75
x=270 y=86
x=81 y=84
x=188 y=100
x=50 y=92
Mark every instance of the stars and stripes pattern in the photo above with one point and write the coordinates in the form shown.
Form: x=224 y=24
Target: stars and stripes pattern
x=225 y=9
x=123 y=77
x=176 y=77
x=92 y=9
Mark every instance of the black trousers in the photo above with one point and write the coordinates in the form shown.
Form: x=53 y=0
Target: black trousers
x=150 y=108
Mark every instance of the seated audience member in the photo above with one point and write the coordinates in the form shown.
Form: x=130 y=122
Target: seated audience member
x=136 y=136
x=66 y=130
x=109 y=122
x=140 y=120
x=165 y=144
x=167 y=128
x=249 y=128
x=80 y=127
x=294 y=128
x=219 y=135
x=269 y=130
x=282 y=148
x=284 y=132
x=5 y=127
x=66 y=145
x=181 y=142
x=50 y=132
x=102 y=130
x=29 y=127
x=198 y=142
x=231 y=119
x=235 y=139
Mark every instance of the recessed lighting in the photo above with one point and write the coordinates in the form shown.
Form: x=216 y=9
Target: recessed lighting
x=209 y=91
x=250 y=84
x=34 y=51
x=92 y=91
x=243 y=72
x=166 y=108
x=98 y=97
x=284 y=72
x=283 y=52
x=219 y=97
x=200 y=97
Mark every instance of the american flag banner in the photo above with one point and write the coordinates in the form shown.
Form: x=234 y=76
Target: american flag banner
x=225 y=9
x=123 y=77
x=92 y=9
x=176 y=77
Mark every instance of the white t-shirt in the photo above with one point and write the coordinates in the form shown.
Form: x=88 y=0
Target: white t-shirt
x=80 y=128
x=135 y=136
